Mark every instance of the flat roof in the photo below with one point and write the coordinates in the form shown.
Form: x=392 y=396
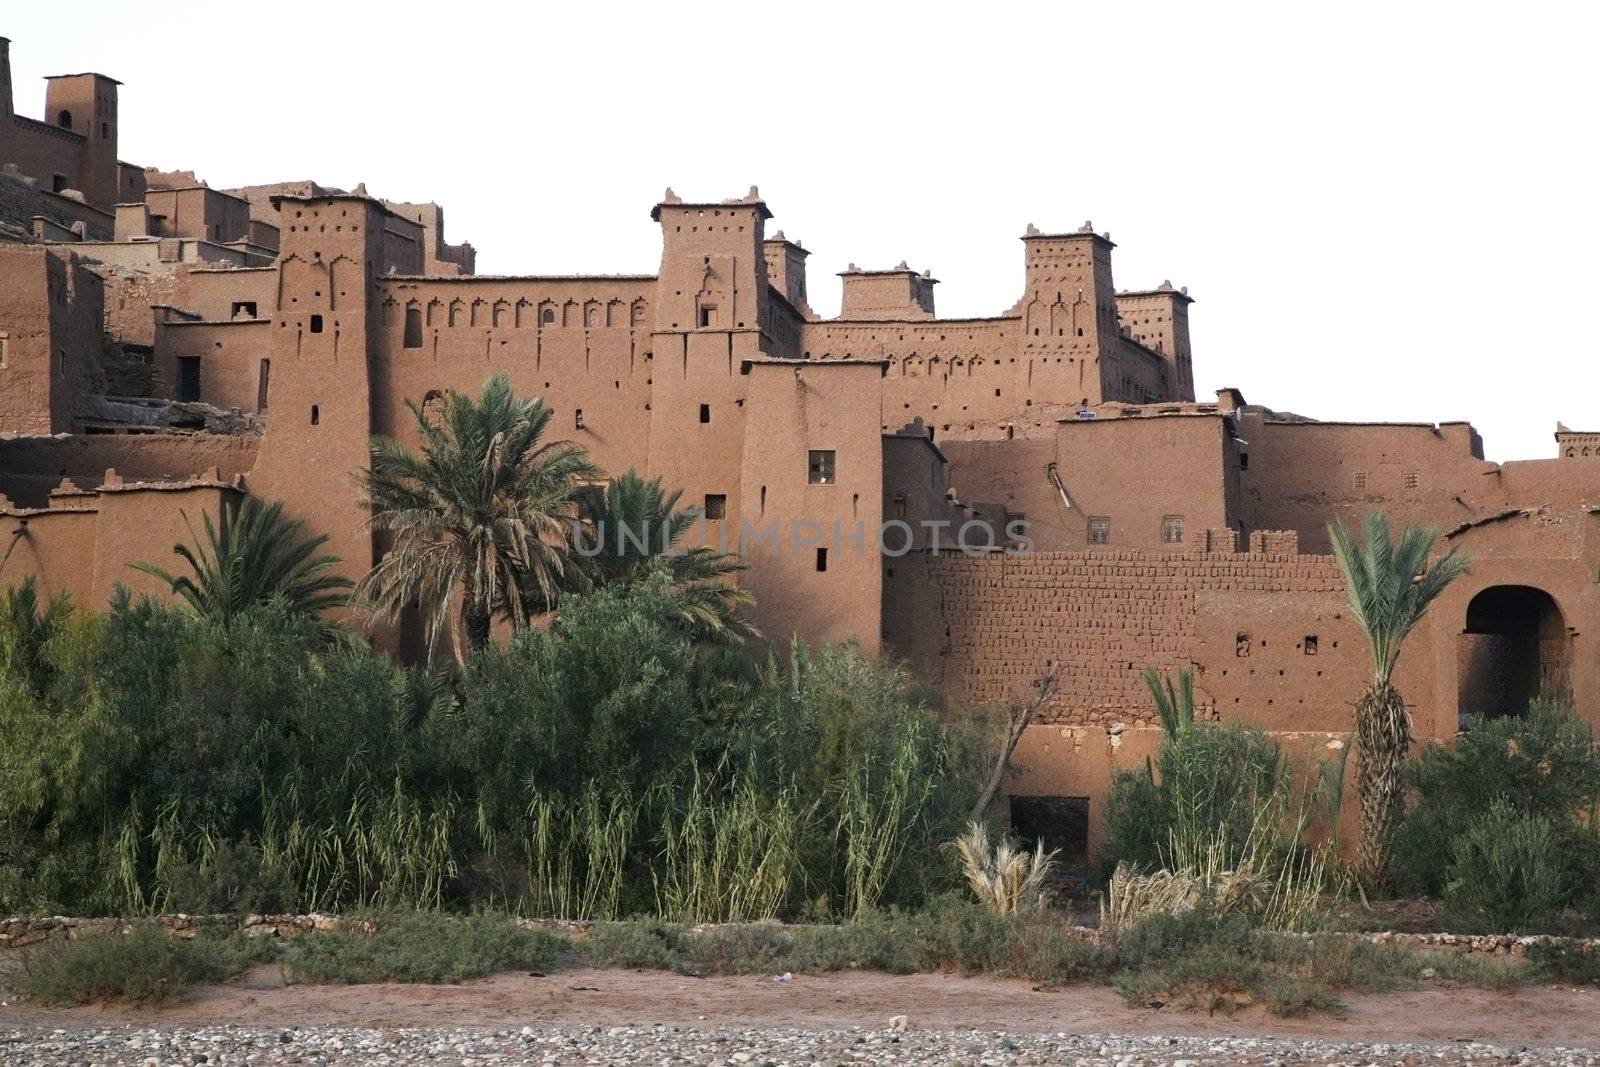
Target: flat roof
x=83 y=74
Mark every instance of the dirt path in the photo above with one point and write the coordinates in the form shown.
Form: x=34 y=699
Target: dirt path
x=609 y=998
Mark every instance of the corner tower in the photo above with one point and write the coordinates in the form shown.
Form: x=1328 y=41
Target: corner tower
x=711 y=301
x=319 y=378
x=86 y=104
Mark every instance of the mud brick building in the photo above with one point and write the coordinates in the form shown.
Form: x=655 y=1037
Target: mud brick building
x=164 y=345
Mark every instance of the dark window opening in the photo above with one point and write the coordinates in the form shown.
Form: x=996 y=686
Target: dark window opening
x=822 y=560
x=1056 y=822
x=547 y=316
x=1244 y=461
x=1099 y=531
x=58 y=183
x=316 y=324
x=821 y=467
x=705 y=412
x=413 y=338
x=1309 y=644
x=243 y=309
x=577 y=419
x=64 y=119
x=105 y=129
x=1516 y=646
x=708 y=315
x=189 y=378
x=316 y=415
x=1172 y=529
x=716 y=506
x=261 y=384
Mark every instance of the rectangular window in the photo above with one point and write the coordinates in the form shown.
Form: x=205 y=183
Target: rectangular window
x=5 y=344
x=822 y=560
x=316 y=415
x=261 y=385
x=716 y=506
x=705 y=412
x=189 y=378
x=1100 y=531
x=316 y=324
x=1244 y=461
x=1172 y=529
x=1412 y=481
x=708 y=315
x=413 y=337
x=58 y=183
x=899 y=507
x=243 y=309
x=821 y=467
x=1361 y=479
x=577 y=419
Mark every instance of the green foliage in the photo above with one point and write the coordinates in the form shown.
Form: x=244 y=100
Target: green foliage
x=1175 y=705
x=255 y=556
x=1507 y=873
x=1542 y=764
x=635 y=529
x=1207 y=783
x=1564 y=961
x=478 y=517
x=1388 y=586
x=155 y=759
x=146 y=966
x=419 y=947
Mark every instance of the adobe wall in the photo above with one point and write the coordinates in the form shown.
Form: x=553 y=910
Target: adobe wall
x=231 y=355
x=1241 y=619
x=592 y=356
x=793 y=409
x=30 y=467
x=51 y=311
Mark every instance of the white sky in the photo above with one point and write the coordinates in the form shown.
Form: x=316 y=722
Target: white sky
x=1385 y=212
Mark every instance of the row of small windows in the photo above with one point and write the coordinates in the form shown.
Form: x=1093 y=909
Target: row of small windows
x=595 y=316
x=1411 y=480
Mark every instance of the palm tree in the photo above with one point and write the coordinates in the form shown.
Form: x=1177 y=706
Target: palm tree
x=634 y=529
x=26 y=630
x=254 y=556
x=1390 y=587
x=479 y=516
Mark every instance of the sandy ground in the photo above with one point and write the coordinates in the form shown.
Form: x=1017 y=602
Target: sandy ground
x=607 y=998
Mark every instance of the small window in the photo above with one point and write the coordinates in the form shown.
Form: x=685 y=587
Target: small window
x=1309 y=644
x=1172 y=529
x=316 y=324
x=316 y=415
x=577 y=419
x=821 y=467
x=547 y=316
x=243 y=309
x=5 y=344
x=1100 y=531
x=1244 y=461
x=822 y=560
x=105 y=129
x=413 y=337
x=705 y=412
x=189 y=378
x=58 y=183
x=716 y=506
x=1361 y=479
x=900 y=507
x=64 y=119
x=1412 y=481
x=262 y=378
x=708 y=315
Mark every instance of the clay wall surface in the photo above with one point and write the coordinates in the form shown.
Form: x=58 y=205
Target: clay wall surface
x=197 y=212
x=212 y=293
x=51 y=311
x=129 y=298
x=791 y=410
x=592 y=356
x=230 y=355
x=31 y=467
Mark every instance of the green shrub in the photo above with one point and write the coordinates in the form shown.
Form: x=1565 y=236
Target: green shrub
x=1207 y=782
x=146 y=966
x=1565 y=961
x=1544 y=763
x=1507 y=872
x=639 y=945
x=420 y=947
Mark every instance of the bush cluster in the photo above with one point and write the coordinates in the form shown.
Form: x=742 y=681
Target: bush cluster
x=153 y=760
x=1499 y=824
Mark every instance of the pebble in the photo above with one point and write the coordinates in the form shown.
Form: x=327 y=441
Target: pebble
x=689 y=1046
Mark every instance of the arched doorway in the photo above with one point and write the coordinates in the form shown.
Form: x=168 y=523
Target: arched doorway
x=1515 y=648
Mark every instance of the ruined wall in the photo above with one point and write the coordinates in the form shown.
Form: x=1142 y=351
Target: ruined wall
x=30 y=467
x=51 y=316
